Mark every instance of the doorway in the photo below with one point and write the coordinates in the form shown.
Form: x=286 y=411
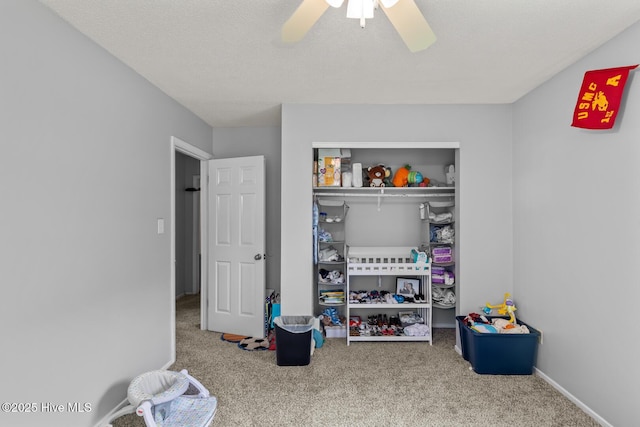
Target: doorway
x=187 y=215
x=192 y=154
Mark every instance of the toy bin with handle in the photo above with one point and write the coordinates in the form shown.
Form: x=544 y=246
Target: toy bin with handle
x=499 y=354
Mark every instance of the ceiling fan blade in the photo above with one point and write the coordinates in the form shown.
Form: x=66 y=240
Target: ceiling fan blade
x=410 y=24
x=303 y=19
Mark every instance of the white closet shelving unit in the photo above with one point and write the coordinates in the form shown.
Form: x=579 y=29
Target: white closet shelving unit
x=331 y=253
x=384 y=218
x=388 y=261
x=438 y=216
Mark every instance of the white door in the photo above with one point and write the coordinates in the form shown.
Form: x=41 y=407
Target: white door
x=236 y=270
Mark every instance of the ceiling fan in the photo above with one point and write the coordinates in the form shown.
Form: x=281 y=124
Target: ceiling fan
x=403 y=14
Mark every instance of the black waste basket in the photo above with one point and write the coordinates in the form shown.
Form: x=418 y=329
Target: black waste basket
x=293 y=340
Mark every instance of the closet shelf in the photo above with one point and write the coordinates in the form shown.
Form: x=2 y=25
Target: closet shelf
x=421 y=192
x=443 y=264
x=445 y=306
x=385 y=305
x=442 y=286
x=390 y=338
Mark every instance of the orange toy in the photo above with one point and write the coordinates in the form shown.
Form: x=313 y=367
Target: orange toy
x=401 y=178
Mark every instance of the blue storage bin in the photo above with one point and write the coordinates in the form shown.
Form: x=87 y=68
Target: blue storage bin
x=499 y=354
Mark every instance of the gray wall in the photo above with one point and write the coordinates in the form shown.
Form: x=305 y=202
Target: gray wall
x=577 y=236
x=484 y=134
x=84 y=175
x=259 y=141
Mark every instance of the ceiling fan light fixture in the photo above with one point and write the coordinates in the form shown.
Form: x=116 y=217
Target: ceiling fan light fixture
x=360 y=9
x=334 y=3
x=404 y=15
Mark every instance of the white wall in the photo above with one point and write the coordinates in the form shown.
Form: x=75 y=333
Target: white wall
x=84 y=174
x=259 y=141
x=577 y=236
x=484 y=134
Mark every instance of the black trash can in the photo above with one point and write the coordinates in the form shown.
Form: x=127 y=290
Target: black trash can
x=293 y=340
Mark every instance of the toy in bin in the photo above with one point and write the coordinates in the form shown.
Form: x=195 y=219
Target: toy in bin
x=506 y=308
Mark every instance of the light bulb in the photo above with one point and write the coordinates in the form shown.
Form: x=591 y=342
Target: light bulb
x=360 y=9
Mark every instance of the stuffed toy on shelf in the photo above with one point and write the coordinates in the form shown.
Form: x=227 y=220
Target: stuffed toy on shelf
x=405 y=177
x=378 y=175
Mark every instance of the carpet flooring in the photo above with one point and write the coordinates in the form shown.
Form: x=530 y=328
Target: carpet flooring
x=363 y=384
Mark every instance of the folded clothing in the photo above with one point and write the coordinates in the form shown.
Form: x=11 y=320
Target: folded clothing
x=443 y=296
x=417 y=330
x=444 y=278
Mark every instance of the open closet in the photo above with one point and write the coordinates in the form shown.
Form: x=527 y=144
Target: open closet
x=357 y=217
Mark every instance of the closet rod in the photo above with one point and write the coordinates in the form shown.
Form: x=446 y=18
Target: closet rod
x=421 y=196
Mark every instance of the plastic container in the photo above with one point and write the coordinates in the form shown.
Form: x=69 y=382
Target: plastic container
x=335 y=331
x=293 y=340
x=499 y=354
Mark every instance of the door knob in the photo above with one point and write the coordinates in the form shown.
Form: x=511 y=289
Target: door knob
x=258 y=257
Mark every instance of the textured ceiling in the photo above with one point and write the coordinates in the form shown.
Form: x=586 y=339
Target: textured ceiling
x=223 y=59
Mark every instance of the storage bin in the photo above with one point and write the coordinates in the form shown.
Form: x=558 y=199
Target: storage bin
x=499 y=354
x=293 y=340
x=335 y=331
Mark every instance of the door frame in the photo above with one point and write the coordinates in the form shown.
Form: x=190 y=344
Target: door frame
x=195 y=231
x=178 y=145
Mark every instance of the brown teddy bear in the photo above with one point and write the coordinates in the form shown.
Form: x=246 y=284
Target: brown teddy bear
x=377 y=175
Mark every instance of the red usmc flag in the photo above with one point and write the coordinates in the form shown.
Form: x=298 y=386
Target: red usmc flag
x=599 y=98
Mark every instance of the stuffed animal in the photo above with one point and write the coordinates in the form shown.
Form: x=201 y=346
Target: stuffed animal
x=405 y=177
x=388 y=177
x=401 y=178
x=425 y=182
x=377 y=175
x=414 y=178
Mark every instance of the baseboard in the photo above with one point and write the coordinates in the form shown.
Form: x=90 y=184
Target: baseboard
x=105 y=421
x=458 y=350
x=444 y=325
x=572 y=398
x=597 y=418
